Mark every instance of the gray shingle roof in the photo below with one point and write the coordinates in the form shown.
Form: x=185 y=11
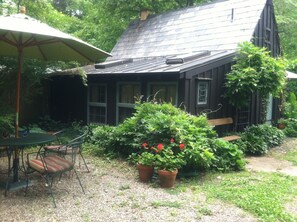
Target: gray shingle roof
x=158 y=64
x=218 y=26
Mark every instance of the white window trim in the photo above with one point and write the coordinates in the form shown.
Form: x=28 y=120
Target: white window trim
x=96 y=104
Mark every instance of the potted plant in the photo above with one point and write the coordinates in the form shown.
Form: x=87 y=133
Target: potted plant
x=168 y=161
x=144 y=161
x=281 y=123
x=145 y=166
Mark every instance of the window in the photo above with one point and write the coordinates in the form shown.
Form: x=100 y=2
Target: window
x=127 y=94
x=165 y=92
x=97 y=104
x=202 y=93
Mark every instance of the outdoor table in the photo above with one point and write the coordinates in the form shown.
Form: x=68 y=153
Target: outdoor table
x=17 y=144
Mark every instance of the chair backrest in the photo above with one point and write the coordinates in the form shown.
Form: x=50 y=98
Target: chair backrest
x=80 y=138
x=66 y=136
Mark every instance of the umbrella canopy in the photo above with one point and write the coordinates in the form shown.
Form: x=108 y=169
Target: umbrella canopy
x=24 y=37
x=39 y=41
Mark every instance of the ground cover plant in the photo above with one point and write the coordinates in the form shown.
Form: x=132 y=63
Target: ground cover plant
x=258 y=139
x=156 y=124
x=251 y=191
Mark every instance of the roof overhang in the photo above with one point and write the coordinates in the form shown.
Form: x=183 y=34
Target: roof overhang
x=291 y=75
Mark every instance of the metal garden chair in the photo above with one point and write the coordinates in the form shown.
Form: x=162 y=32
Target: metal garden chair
x=65 y=149
x=6 y=167
x=51 y=165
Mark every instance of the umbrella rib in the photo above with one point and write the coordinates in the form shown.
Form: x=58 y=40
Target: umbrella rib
x=3 y=38
x=44 y=42
x=78 y=52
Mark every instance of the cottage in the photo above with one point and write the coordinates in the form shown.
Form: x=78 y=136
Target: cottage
x=181 y=57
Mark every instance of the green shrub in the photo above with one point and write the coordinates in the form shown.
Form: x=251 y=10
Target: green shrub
x=154 y=124
x=257 y=139
x=291 y=106
x=291 y=127
x=227 y=156
x=6 y=125
x=103 y=137
x=157 y=123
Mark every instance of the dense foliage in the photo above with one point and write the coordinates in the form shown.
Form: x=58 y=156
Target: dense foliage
x=286 y=17
x=291 y=127
x=6 y=125
x=290 y=107
x=257 y=139
x=255 y=70
x=155 y=124
x=228 y=156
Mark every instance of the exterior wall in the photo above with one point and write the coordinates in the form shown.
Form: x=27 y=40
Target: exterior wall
x=68 y=97
x=217 y=106
x=266 y=33
x=112 y=82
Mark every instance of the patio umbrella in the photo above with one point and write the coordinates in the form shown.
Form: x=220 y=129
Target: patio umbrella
x=24 y=37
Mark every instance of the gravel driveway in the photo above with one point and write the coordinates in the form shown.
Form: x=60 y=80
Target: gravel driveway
x=114 y=194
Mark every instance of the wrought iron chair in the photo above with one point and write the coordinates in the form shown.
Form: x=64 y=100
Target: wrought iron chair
x=64 y=149
x=6 y=153
x=51 y=165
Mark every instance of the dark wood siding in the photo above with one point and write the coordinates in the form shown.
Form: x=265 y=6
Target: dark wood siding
x=218 y=106
x=266 y=33
x=68 y=99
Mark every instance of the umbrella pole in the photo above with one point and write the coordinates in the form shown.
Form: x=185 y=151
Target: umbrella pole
x=20 y=63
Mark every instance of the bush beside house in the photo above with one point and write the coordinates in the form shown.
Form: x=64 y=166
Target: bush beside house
x=155 y=124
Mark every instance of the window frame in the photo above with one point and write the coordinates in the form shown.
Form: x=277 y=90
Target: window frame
x=206 y=102
x=124 y=105
x=97 y=104
x=150 y=95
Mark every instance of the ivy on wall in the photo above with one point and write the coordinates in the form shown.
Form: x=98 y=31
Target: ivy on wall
x=254 y=71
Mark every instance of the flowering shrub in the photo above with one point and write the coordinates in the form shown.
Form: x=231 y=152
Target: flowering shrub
x=167 y=155
x=174 y=137
x=170 y=157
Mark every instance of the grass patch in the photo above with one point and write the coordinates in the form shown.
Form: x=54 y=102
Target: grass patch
x=204 y=210
x=292 y=157
x=262 y=194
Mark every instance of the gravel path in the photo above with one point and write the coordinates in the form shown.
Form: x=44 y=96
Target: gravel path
x=114 y=194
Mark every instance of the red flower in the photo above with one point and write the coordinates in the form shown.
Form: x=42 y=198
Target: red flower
x=160 y=147
x=181 y=146
x=171 y=140
x=144 y=145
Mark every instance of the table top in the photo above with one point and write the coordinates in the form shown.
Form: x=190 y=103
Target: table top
x=30 y=140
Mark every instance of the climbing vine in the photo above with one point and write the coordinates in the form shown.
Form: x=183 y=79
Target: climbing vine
x=254 y=71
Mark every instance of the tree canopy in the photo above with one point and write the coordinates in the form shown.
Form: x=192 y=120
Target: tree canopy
x=101 y=22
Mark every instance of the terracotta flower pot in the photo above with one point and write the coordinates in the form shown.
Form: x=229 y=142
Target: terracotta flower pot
x=145 y=172
x=281 y=125
x=167 y=178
